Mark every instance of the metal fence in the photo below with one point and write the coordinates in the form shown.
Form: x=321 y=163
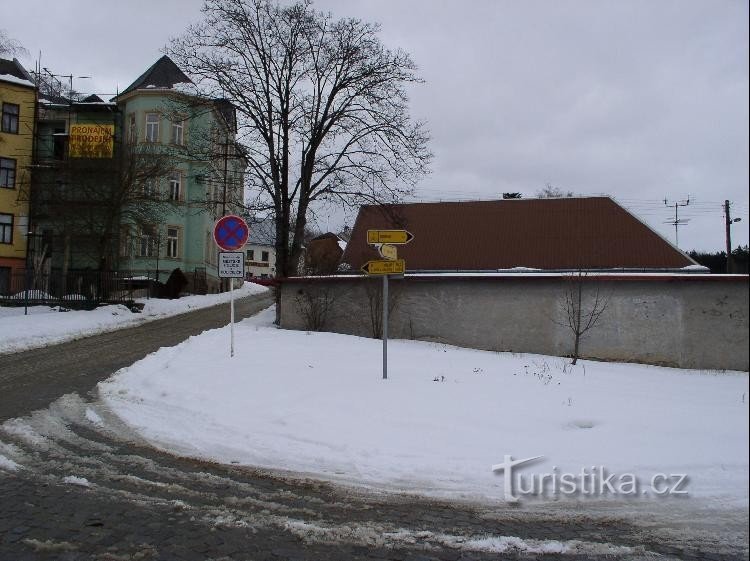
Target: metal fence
x=77 y=288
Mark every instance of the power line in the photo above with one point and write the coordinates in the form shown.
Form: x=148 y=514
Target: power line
x=677 y=222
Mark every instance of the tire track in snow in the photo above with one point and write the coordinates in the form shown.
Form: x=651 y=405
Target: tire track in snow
x=81 y=440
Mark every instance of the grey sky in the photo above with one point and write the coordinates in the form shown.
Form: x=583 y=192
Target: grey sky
x=640 y=100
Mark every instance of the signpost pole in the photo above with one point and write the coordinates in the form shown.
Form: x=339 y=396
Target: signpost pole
x=385 y=327
x=231 y=317
x=385 y=242
x=230 y=234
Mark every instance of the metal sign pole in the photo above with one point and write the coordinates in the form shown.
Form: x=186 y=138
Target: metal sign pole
x=385 y=327
x=231 y=317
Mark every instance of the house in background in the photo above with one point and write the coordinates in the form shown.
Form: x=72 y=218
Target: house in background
x=17 y=103
x=323 y=254
x=577 y=233
x=260 y=249
x=160 y=109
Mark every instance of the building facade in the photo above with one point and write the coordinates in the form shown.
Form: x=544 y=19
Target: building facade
x=17 y=103
x=260 y=249
x=74 y=184
x=203 y=183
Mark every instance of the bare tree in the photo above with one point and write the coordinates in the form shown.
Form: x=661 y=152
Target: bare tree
x=322 y=104
x=581 y=311
x=552 y=192
x=85 y=201
x=315 y=304
x=212 y=147
x=10 y=46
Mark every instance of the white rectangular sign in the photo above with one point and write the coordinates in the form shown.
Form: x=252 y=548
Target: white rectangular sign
x=231 y=265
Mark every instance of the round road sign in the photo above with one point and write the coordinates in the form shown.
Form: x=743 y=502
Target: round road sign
x=230 y=232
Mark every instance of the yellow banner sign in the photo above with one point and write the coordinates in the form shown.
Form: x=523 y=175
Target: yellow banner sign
x=397 y=267
x=389 y=236
x=91 y=141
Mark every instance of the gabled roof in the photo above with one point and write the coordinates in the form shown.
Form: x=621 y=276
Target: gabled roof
x=590 y=233
x=13 y=71
x=262 y=231
x=163 y=74
x=326 y=236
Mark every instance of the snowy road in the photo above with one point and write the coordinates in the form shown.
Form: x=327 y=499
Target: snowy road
x=31 y=380
x=75 y=490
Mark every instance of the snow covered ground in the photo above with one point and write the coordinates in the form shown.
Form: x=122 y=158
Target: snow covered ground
x=315 y=403
x=45 y=326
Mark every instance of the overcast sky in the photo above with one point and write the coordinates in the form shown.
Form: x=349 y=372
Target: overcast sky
x=640 y=100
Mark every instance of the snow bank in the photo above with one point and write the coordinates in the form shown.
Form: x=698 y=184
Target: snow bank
x=46 y=326
x=315 y=403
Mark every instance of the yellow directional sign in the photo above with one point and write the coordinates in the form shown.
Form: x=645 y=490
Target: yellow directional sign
x=389 y=252
x=389 y=236
x=385 y=267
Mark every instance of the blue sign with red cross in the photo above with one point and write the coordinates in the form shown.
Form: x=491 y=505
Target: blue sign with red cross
x=230 y=232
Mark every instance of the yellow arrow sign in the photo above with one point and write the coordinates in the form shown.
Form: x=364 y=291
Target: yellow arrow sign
x=383 y=267
x=389 y=236
x=389 y=252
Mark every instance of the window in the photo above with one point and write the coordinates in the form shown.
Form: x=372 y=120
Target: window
x=7 y=173
x=126 y=246
x=132 y=130
x=264 y=256
x=146 y=243
x=10 y=118
x=59 y=142
x=6 y=228
x=152 y=127
x=175 y=186
x=173 y=242
x=178 y=129
x=251 y=255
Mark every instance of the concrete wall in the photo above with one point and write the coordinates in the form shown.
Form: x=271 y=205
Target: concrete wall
x=687 y=321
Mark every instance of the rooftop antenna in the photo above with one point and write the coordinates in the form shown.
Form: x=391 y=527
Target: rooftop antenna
x=677 y=221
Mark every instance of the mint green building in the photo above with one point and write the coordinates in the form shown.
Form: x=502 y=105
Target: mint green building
x=160 y=108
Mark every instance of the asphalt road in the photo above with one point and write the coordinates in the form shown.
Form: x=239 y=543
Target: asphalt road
x=33 y=379
x=77 y=484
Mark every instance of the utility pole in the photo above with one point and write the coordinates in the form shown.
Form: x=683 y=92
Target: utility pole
x=676 y=221
x=728 y=221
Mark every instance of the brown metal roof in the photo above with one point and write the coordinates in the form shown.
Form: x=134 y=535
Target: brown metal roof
x=551 y=234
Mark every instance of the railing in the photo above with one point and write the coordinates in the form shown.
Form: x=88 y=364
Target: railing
x=79 y=289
